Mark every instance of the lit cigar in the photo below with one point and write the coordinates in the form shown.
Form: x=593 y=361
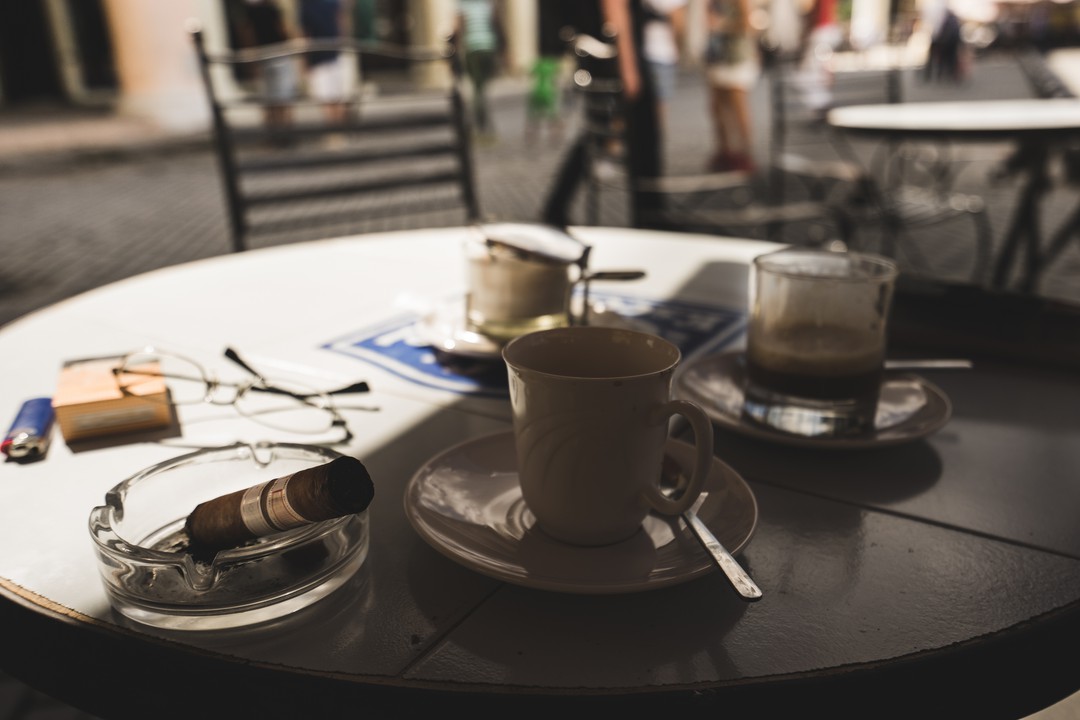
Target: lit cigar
x=337 y=488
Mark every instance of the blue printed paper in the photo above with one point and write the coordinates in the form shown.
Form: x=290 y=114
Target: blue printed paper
x=396 y=347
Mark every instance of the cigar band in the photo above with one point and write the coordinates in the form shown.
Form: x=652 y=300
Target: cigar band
x=266 y=509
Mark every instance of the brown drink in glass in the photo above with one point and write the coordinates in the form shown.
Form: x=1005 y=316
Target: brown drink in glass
x=816 y=340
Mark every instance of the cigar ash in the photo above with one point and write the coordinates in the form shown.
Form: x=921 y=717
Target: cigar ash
x=273 y=570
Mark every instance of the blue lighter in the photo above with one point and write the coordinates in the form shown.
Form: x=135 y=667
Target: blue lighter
x=28 y=438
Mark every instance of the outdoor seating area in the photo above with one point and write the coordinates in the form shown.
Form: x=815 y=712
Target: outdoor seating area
x=881 y=200
x=734 y=202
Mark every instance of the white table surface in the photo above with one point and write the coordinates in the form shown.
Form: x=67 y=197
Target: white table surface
x=277 y=307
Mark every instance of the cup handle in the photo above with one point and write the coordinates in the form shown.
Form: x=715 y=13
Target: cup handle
x=703 y=457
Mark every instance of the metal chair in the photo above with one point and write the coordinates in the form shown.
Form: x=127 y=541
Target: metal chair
x=909 y=189
x=402 y=154
x=728 y=203
x=887 y=203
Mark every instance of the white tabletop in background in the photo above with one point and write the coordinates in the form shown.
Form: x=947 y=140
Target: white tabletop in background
x=975 y=116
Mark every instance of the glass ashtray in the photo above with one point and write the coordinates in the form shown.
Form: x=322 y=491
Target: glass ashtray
x=151 y=578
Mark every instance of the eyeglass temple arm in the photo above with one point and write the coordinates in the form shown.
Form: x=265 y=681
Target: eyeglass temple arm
x=357 y=387
x=235 y=357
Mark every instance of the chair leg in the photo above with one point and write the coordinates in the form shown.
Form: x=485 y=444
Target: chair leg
x=983 y=239
x=592 y=198
x=238 y=241
x=1065 y=232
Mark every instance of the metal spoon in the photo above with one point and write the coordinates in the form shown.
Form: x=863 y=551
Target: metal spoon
x=929 y=364
x=738 y=577
x=740 y=580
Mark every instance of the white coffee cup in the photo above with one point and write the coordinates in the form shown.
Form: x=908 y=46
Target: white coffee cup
x=591 y=408
x=512 y=292
x=520 y=278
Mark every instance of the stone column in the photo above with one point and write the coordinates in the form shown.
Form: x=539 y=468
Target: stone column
x=431 y=22
x=62 y=33
x=520 y=22
x=155 y=61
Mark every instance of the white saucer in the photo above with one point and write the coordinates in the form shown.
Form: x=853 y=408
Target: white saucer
x=444 y=329
x=465 y=503
x=909 y=407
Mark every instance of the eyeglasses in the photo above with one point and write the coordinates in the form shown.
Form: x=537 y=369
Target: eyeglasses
x=279 y=404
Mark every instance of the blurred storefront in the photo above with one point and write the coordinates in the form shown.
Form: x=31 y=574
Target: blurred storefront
x=55 y=49
x=135 y=56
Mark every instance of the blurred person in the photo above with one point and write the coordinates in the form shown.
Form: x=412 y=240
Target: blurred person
x=546 y=101
x=665 y=23
x=478 y=36
x=263 y=23
x=732 y=67
x=943 y=57
x=364 y=19
x=328 y=75
x=543 y=106
x=822 y=36
x=624 y=20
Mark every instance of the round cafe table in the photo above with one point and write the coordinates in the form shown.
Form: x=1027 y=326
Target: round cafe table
x=938 y=577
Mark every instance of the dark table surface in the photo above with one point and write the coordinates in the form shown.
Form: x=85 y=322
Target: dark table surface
x=938 y=578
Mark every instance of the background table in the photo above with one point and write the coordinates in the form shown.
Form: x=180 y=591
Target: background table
x=1039 y=128
x=938 y=578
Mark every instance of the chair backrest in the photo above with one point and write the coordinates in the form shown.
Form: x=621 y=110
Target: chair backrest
x=395 y=154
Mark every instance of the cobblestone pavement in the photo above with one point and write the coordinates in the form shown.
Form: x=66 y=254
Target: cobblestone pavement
x=88 y=210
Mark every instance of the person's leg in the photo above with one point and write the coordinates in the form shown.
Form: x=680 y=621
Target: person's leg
x=717 y=106
x=644 y=151
x=738 y=105
x=474 y=83
x=663 y=75
x=279 y=87
x=337 y=112
x=486 y=73
x=533 y=115
x=327 y=85
x=951 y=53
x=547 y=98
x=479 y=65
x=276 y=117
x=556 y=210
